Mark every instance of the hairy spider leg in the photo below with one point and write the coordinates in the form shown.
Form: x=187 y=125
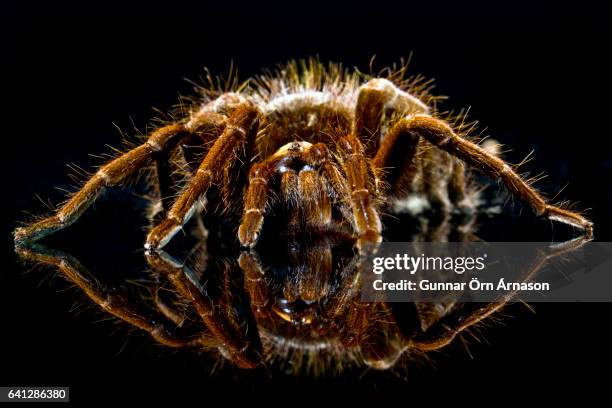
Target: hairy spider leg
x=383 y=345
x=446 y=329
x=254 y=281
x=178 y=318
x=365 y=215
x=111 y=174
x=239 y=340
x=240 y=130
x=395 y=160
x=395 y=164
x=374 y=97
x=111 y=302
x=204 y=128
x=255 y=202
x=441 y=135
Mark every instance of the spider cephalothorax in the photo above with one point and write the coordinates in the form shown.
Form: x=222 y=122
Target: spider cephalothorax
x=330 y=147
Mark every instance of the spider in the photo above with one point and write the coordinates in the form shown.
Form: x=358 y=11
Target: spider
x=329 y=146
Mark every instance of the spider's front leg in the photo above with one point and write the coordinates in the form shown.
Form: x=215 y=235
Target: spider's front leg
x=240 y=131
x=359 y=176
x=226 y=313
x=374 y=98
x=441 y=135
x=114 y=173
x=255 y=202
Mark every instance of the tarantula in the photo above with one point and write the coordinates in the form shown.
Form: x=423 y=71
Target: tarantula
x=326 y=145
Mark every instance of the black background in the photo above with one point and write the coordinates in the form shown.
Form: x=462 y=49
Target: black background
x=536 y=76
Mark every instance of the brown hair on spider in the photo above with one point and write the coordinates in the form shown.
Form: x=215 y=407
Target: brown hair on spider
x=331 y=146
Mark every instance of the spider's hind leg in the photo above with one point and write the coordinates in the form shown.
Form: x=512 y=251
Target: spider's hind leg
x=441 y=135
x=435 y=175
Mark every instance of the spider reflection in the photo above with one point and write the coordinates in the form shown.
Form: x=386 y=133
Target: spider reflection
x=296 y=304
